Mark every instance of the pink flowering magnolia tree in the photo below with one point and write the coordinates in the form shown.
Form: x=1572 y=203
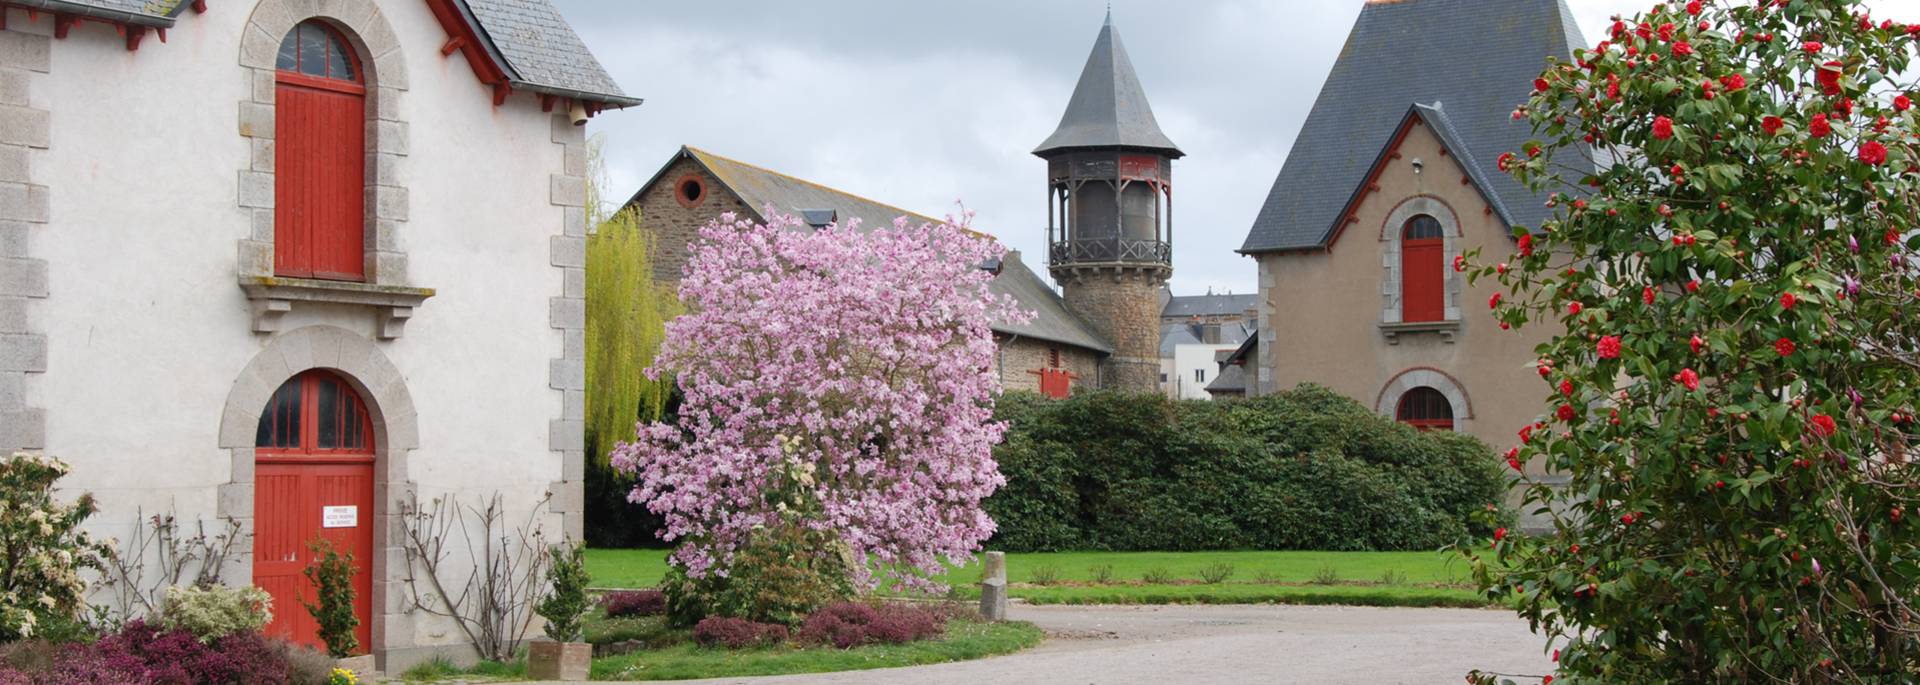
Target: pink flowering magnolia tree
x=838 y=379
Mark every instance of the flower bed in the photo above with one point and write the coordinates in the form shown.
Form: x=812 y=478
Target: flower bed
x=144 y=653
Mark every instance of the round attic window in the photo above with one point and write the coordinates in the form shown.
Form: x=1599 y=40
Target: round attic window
x=690 y=190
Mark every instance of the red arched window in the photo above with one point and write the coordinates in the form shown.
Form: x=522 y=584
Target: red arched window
x=319 y=157
x=1426 y=409
x=1422 y=270
x=314 y=414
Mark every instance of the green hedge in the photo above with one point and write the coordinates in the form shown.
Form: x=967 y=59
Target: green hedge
x=1305 y=469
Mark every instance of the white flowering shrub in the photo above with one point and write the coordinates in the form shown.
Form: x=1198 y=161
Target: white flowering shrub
x=216 y=611
x=43 y=546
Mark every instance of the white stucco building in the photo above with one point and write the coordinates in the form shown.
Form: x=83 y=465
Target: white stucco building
x=288 y=259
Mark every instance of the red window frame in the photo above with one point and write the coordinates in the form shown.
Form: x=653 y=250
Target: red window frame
x=1426 y=409
x=303 y=226
x=1423 y=256
x=350 y=415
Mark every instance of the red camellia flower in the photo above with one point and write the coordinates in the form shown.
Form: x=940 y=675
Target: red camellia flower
x=1812 y=46
x=1823 y=425
x=1459 y=262
x=1608 y=347
x=1565 y=412
x=1771 y=125
x=1787 y=300
x=1526 y=434
x=1666 y=31
x=1693 y=286
x=1646 y=294
x=1526 y=245
x=1566 y=387
x=1697 y=344
x=1573 y=308
x=1682 y=49
x=1688 y=378
x=1662 y=128
x=1829 y=77
x=1785 y=347
x=1506 y=161
x=1819 y=127
x=1540 y=85
x=1734 y=81
x=1494 y=302
x=1872 y=152
x=1901 y=103
x=1513 y=458
x=1499 y=534
x=1694 y=8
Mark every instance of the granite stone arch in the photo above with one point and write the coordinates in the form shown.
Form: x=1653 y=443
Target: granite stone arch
x=389 y=404
x=1390 y=234
x=1427 y=377
x=366 y=28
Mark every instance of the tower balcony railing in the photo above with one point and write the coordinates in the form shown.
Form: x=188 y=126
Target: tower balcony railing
x=1105 y=250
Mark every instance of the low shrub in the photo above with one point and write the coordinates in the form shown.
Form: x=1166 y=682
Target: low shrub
x=783 y=574
x=1156 y=576
x=626 y=603
x=1302 y=469
x=850 y=624
x=1325 y=575
x=1044 y=575
x=216 y=611
x=737 y=633
x=1100 y=574
x=142 y=653
x=1216 y=573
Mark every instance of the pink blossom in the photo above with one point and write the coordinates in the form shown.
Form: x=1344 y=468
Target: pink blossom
x=863 y=358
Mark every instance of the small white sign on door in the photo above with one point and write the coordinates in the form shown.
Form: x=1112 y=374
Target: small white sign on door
x=339 y=517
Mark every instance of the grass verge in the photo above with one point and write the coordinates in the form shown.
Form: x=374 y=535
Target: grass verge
x=964 y=640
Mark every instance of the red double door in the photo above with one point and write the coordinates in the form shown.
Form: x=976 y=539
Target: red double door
x=313 y=480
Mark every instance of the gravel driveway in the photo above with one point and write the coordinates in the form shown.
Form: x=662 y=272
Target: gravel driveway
x=1169 y=645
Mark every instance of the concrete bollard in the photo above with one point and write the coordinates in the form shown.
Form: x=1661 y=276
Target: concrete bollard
x=993 y=586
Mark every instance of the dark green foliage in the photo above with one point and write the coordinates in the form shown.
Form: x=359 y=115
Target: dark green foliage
x=332 y=576
x=1305 y=469
x=566 y=602
x=784 y=575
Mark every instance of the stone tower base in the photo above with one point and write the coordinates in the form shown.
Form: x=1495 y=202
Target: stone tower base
x=1123 y=303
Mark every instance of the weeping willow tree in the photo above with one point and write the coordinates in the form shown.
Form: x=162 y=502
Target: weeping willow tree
x=626 y=316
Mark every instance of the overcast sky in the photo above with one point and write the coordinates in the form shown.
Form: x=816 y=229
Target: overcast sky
x=919 y=104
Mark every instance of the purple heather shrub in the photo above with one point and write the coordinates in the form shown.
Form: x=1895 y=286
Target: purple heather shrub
x=737 y=633
x=860 y=359
x=634 y=603
x=847 y=625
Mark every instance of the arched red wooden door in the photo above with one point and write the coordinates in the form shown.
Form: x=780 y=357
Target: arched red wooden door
x=313 y=479
x=1422 y=270
x=1426 y=409
x=320 y=119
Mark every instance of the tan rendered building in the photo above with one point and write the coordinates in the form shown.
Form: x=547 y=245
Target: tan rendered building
x=1393 y=175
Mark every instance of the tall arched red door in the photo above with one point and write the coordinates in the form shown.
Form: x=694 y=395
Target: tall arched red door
x=313 y=479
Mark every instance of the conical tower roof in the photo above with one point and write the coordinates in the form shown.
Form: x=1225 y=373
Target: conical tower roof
x=1109 y=108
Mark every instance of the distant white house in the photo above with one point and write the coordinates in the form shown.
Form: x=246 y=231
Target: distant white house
x=1194 y=331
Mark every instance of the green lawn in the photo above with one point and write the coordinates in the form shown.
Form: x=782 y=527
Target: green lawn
x=964 y=640
x=1358 y=578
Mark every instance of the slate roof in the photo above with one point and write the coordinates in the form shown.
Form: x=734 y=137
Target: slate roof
x=1208 y=305
x=1232 y=380
x=758 y=187
x=541 y=51
x=158 y=13
x=1108 y=108
x=528 y=38
x=1173 y=335
x=1475 y=59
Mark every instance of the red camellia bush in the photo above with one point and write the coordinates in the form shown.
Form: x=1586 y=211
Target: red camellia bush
x=1737 y=289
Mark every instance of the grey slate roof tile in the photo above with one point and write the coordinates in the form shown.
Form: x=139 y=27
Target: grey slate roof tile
x=1208 y=305
x=541 y=48
x=1476 y=58
x=1109 y=108
x=758 y=187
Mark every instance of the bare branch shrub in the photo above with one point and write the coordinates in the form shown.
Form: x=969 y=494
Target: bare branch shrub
x=493 y=602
